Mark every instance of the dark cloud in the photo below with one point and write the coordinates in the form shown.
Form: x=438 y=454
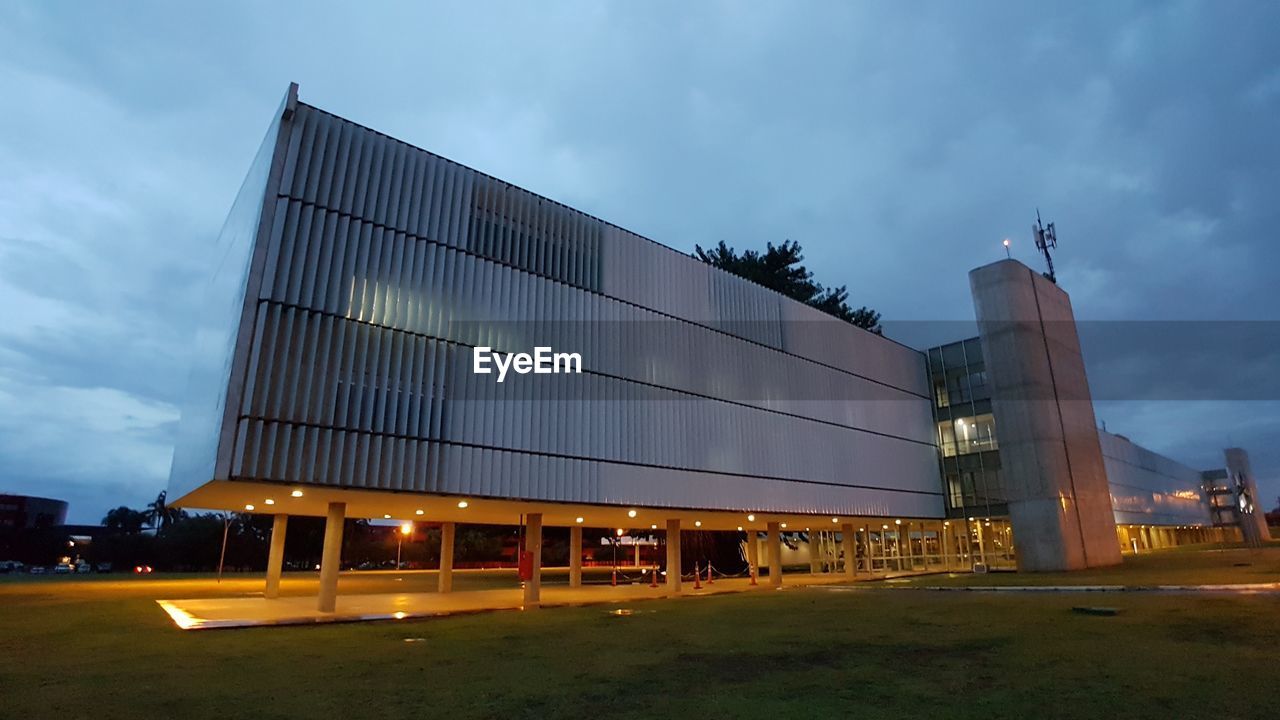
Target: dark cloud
x=898 y=144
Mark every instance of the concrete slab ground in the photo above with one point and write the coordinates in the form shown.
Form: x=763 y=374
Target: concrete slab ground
x=241 y=612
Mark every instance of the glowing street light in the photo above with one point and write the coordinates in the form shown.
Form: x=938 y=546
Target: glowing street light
x=405 y=529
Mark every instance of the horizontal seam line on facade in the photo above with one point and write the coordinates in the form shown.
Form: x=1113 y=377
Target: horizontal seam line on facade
x=584 y=214
x=465 y=251
x=597 y=373
x=580 y=458
x=1147 y=469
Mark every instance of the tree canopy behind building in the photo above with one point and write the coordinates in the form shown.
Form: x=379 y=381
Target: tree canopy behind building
x=780 y=267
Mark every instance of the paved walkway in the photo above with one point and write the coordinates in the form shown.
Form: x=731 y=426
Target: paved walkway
x=212 y=613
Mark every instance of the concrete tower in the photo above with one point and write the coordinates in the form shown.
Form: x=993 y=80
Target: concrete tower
x=1059 y=501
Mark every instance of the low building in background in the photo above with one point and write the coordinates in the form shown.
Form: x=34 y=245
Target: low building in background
x=29 y=512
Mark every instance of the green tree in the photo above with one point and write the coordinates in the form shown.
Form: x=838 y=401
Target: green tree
x=781 y=268
x=125 y=520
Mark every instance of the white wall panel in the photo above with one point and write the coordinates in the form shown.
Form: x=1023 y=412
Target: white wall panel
x=387 y=264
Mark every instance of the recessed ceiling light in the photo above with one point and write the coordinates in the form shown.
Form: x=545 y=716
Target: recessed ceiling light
x=577 y=520
x=631 y=513
x=296 y=493
x=751 y=518
x=463 y=503
x=269 y=501
x=697 y=523
x=248 y=507
x=417 y=512
x=386 y=517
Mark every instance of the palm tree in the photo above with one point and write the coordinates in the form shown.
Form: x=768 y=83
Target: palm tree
x=160 y=515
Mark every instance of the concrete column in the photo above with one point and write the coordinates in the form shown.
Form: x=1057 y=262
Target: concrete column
x=850 y=552
x=575 y=556
x=637 y=547
x=901 y=552
x=331 y=557
x=445 y=578
x=753 y=554
x=275 y=557
x=533 y=544
x=775 y=555
x=673 y=555
x=944 y=546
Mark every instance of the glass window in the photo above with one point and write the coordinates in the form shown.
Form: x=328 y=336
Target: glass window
x=975 y=434
x=953 y=355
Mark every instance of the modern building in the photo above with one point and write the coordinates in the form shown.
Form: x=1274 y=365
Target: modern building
x=360 y=357
x=29 y=512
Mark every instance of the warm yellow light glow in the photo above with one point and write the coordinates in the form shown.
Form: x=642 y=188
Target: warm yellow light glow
x=697 y=523
x=180 y=617
x=835 y=519
x=751 y=518
x=406 y=528
x=386 y=517
x=631 y=513
x=417 y=512
x=463 y=503
x=784 y=526
x=296 y=493
x=884 y=527
x=739 y=528
x=578 y=520
x=897 y=522
x=619 y=532
x=269 y=501
x=249 y=508
x=653 y=526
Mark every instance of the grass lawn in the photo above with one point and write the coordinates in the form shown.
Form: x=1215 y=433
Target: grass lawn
x=103 y=649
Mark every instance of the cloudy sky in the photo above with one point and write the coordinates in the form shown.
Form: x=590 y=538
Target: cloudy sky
x=898 y=142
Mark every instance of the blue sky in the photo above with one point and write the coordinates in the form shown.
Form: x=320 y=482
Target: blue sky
x=898 y=143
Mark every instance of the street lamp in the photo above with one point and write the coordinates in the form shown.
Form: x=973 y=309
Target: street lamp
x=405 y=529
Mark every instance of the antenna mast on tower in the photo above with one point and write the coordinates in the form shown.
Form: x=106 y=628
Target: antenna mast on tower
x=1046 y=237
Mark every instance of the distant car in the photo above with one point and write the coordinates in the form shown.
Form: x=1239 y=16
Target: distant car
x=103 y=567
x=83 y=567
x=62 y=568
x=8 y=566
x=37 y=570
x=143 y=569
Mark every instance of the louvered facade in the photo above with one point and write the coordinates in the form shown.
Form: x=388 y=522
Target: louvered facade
x=356 y=274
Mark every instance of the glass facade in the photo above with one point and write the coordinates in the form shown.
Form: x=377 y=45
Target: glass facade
x=968 y=447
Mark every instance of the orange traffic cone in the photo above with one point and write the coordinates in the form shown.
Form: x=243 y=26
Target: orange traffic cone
x=697 y=577
x=653 y=578
x=710 y=579
x=753 y=574
x=614 y=581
